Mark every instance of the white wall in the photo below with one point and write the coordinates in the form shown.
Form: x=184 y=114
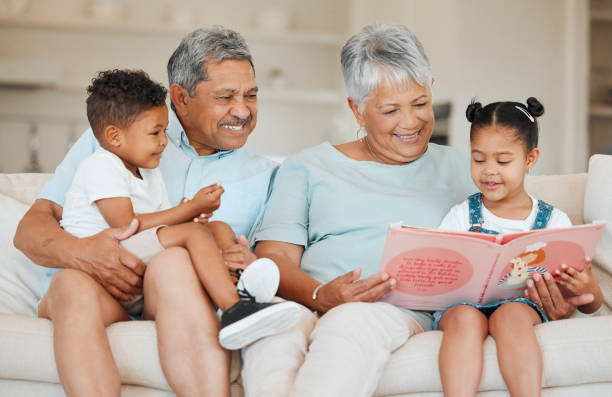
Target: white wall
x=494 y=50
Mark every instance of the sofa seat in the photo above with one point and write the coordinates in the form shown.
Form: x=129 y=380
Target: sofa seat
x=575 y=352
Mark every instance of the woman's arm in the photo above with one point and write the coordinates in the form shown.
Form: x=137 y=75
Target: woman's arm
x=298 y=286
x=41 y=239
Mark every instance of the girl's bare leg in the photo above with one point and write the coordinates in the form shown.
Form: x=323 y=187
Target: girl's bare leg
x=518 y=351
x=460 y=357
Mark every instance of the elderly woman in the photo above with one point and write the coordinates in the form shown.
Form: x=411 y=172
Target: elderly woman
x=328 y=215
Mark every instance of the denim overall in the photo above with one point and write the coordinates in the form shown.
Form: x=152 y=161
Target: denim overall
x=476 y=221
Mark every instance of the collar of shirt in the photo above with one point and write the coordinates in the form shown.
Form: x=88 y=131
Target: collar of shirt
x=177 y=135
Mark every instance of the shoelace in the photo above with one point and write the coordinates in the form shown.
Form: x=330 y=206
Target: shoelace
x=245 y=295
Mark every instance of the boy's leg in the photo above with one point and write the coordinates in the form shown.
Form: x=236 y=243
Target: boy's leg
x=223 y=234
x=206 y=259
x=518 y=351
x=187 y=327
x=460 y=357
x=80 y=310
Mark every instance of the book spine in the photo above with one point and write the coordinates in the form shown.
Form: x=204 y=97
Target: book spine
x=488 y=282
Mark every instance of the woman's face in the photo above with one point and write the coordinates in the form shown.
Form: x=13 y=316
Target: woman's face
x=399 y=122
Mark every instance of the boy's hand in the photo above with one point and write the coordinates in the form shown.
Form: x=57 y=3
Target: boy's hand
x=576 y=282
x=208 y=198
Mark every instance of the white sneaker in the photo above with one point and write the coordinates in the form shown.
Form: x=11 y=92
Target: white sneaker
x=260 y=279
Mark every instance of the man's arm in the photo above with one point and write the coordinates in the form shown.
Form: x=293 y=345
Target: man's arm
x=41 y=239
x=544 y=292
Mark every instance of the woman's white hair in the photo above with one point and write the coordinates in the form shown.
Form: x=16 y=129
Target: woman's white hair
x=382 y=51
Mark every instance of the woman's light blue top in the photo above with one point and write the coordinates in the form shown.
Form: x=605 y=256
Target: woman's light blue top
x=339 y=209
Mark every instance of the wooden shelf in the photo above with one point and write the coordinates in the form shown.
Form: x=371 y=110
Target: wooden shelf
x=114 y=28
x=601 y=16
x=601 y=111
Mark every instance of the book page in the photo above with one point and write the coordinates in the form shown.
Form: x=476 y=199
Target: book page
x=436 y=269
x=540 y=251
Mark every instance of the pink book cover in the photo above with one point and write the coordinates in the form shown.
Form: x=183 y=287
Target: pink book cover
x=435 y=268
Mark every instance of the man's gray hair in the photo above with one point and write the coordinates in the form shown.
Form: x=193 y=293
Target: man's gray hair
x=382 y=51
x=187 y=65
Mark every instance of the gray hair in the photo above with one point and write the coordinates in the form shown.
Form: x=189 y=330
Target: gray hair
x=382 y=51
x=187 y=65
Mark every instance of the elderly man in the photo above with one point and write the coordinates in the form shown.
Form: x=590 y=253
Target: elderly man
x=214 y=109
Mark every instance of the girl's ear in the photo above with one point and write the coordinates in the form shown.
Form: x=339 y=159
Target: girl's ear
x=532 y=158
x=358 y=115
x=113 y=135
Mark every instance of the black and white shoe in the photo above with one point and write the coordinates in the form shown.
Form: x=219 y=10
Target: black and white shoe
x=248 y=320
x=260 y=279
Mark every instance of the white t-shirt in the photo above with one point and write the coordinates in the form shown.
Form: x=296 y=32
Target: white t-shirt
x=103 y=175
x=458 y=219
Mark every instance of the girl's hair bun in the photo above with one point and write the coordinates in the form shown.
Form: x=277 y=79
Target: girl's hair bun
x=472 y=110
x=535 y=107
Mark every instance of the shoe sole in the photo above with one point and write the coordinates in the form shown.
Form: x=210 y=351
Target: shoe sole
x=262 y=278
x=269 y=321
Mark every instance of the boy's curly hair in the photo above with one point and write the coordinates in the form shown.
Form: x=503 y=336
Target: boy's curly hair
x=118 y=96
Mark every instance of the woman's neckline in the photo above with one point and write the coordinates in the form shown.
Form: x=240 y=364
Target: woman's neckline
x=345 y=157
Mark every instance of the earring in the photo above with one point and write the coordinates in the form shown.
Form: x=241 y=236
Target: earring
x=360 y=130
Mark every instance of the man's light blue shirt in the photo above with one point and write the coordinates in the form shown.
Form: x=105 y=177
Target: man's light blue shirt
x=245 y=177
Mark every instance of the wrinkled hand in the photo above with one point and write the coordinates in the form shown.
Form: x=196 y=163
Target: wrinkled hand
x=208 y=199
x=348 y=288
x=544 y=292
x=576 y=282
x=238 y=257
x=115 y=268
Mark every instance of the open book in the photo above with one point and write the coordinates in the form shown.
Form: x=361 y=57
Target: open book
x=435 y=268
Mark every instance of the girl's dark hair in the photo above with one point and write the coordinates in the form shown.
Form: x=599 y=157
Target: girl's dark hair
x=119 y=96
x=513 y=115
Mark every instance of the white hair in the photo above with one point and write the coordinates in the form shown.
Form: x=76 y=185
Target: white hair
x=187 y=65
x=382 y=51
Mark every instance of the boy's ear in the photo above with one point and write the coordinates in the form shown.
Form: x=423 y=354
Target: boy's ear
x=532 y=158
x=113 y=135
x=358 y=115
x=179 y=97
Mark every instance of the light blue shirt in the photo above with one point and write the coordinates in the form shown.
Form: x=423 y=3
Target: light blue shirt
x=245 y=177
x=340 y=209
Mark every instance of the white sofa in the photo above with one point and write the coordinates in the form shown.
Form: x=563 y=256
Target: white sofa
x=577 y=353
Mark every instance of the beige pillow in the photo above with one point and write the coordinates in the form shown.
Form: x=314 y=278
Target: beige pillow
x=598 y=206
x=20 y=279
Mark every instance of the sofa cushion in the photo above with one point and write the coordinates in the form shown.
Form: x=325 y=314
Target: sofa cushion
x=574 y=351
x=565 y=192
x=26 y=344
x=598 y=206
x=23 y=187
x=20 y=279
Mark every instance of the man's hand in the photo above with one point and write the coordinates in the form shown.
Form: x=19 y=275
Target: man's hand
x=348 y=288
x=238 y=257
x=544 y=292
x=116 y=269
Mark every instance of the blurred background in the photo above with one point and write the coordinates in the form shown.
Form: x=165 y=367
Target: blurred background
x=556 y=50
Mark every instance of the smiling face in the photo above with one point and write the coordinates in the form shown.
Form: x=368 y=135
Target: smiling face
x=140 y=144
x=499 y=162
x=223 y=111
x=399 y=122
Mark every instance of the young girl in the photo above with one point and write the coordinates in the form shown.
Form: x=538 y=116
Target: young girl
x=504 y=138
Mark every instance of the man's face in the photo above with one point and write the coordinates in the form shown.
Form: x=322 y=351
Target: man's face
x=223 y=111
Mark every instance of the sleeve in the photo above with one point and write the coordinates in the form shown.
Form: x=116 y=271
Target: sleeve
x=286 y=215
x=559 y=218
x=105 y=178
x=455 y=219
x=55 y=189
x=260 y=215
